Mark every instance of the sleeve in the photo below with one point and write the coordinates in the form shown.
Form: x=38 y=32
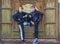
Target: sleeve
x=40 y=16
x=30 y=14
x=25 y=13
x=15 y=16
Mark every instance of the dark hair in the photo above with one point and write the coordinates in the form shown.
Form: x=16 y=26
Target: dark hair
x=32 y=6
x=21 y=6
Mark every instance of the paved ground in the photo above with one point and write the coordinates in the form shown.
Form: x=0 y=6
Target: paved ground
x=18 y=41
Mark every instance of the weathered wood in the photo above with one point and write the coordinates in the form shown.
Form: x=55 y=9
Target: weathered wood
x=0 y=19
x=59 y=20
x=47 y=26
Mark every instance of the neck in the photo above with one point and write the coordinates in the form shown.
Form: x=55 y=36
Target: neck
x=20 y=11
x=34 y=10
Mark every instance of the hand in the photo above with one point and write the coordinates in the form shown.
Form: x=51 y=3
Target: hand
x=30 y=16
x=32 y=22
x=25 y=16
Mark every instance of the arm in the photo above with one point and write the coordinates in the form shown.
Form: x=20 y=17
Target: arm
x=40 y=16
x=25 y=15
x=15 y=16
x=30 y=15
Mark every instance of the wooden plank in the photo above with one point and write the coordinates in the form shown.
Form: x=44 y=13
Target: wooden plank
x=57 y=19
x=50 y=30
x=47 y=27
x=17 y=4
x=6 y=17
x=50 y=3
x=6 y=4
x=40 y=6
x=50 y=16
x=6 y=30
x=0 y=19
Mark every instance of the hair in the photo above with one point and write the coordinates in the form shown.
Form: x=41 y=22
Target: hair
x=21 y=6
x=32 y=6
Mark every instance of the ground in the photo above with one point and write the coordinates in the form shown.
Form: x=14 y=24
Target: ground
x=18 y=41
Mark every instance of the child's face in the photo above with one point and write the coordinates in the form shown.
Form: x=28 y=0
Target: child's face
x=32 y=9
x=20 y=9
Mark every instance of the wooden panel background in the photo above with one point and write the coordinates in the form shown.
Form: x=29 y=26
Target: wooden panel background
x=47 y=27
x=50 y=18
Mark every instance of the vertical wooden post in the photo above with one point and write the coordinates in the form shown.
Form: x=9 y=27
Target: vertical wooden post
x=0 y=19
x=59 y=20
x=57 y=17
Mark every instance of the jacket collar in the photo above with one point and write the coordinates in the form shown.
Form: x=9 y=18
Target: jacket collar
x=19 y=12
x=34 y=11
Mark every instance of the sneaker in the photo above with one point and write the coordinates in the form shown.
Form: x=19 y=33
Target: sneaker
x=24 y=42
x=35 y=41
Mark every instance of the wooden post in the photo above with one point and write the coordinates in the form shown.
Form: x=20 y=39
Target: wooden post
x=59 y=20
x=0 y=19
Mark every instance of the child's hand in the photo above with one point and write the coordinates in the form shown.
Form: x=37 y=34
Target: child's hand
x=25 y=16
x=30 y=16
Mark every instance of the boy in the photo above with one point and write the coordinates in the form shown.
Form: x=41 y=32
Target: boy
x=18 y=16
x=36 y=16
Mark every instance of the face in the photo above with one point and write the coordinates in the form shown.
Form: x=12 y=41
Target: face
x=32 y=9
x=20 y=9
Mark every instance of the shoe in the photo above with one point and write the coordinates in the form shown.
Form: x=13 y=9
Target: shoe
x=35 y=41
x=24 y=42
